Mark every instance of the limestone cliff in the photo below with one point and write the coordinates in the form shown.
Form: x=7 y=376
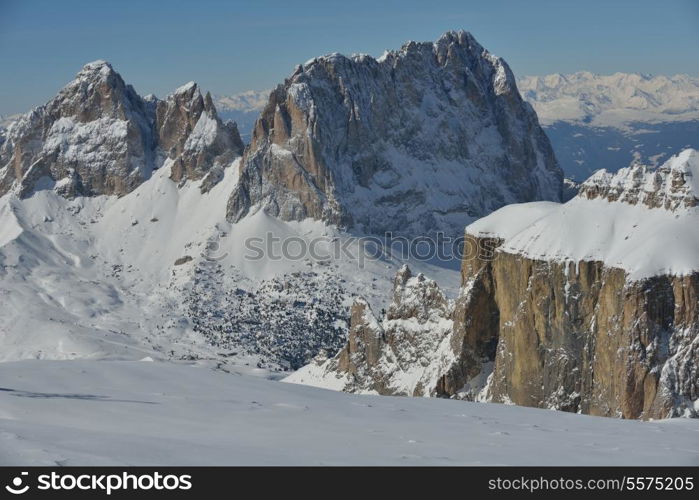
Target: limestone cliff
x=579 y=336
x=423 y=139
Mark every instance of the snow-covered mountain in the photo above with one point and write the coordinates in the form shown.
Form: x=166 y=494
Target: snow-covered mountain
x=614 y=100
x=98 y=136
x=597 y=121
x=423 y=139
x=125 y=225
x=113 y=204
x=589 y=306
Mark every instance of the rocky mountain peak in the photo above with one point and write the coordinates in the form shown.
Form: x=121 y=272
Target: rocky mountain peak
x=398 y=143
x=99 y=70
x=98 y=136
x=97 y=91
x=415 y=297
x=672 y=186
x=402 y=276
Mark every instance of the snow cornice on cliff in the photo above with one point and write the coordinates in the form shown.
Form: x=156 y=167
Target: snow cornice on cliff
x=643 y=221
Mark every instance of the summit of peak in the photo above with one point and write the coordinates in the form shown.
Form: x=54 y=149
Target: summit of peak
x=458 y=36
x=188 y=92
x=97 y=64
x=98 y=67
x=187 y=87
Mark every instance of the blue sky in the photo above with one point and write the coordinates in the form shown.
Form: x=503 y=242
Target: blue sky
x=233 y=46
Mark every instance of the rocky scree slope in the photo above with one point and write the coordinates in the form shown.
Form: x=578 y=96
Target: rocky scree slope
x=423 y=139
x=591 y=306
x=98 y=136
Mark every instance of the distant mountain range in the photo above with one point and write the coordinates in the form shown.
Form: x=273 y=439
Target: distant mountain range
x=597 y=121
x=243 y=108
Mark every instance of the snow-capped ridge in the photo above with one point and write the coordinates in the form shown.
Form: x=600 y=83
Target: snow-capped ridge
x=189 y=87
x=673 y=185
x=640 y=220
x=612 y=100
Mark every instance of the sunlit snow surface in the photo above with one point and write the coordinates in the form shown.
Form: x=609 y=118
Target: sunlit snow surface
x=641 y=240
x=151 y=413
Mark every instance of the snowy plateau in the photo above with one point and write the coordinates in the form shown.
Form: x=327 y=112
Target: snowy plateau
x=137 y=327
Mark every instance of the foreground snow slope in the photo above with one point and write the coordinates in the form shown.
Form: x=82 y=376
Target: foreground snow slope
x=150 y=413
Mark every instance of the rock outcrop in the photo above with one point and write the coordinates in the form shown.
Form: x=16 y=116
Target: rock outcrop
x=423 y=139
x=673 y=185
x=98 y=136
x=591 y=306
x=402 y=352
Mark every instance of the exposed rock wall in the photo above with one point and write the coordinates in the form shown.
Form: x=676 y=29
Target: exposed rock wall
x=578 y=336
x=401 y=352
x=423 y=139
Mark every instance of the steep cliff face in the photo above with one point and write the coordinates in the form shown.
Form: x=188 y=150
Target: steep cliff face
x=591 y=306
x=596 y=300
x=423 y=139
x=98 y=136
x=578 y=336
